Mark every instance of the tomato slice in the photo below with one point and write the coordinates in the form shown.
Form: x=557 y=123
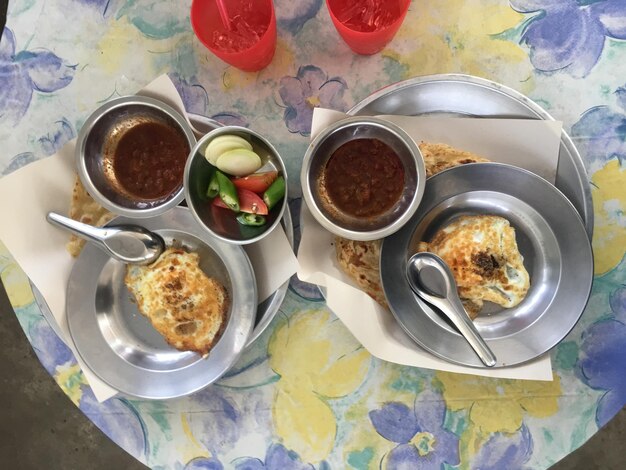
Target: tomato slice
x=256 y=182
x=251 y=203
x=248 y=202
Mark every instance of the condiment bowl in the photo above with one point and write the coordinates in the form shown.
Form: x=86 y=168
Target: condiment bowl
x=97 y=145
x=314 y=179
x=220 y=222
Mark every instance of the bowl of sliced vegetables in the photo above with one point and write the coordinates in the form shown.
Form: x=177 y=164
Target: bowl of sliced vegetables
x=236 y=184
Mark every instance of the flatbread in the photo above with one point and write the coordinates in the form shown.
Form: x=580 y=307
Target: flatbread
x=84 y=209
x=439 y=157
x=360 y=260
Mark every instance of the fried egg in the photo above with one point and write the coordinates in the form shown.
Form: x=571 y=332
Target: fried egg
x=482 y=252
x=184 y=305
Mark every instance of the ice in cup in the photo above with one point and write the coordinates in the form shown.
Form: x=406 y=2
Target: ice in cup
x=250 y=40
x=367 y=26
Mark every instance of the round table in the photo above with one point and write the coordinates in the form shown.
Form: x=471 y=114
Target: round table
x=307 y=395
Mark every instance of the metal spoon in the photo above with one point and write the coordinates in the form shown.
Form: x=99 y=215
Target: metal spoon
x=441 y=292
x=129 y=244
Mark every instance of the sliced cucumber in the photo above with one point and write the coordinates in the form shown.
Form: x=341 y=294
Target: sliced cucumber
x=239 y=162
x=223 y=144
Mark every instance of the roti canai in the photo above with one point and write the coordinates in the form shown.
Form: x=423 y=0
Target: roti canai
x=85 y=209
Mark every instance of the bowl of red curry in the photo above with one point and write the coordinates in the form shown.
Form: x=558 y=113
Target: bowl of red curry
x=131 y=154
x=363 y=178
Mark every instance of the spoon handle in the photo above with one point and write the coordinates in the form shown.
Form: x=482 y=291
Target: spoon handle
x=77 y=228
x=466 y=327
x=448 y=302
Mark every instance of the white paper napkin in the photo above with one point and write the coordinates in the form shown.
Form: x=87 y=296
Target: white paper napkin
x=531 y=144
x=39 y=248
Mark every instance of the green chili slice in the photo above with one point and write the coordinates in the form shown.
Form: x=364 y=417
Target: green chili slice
x=214 y=187
x=253 y=220
x=275 y=192
x=227 y=191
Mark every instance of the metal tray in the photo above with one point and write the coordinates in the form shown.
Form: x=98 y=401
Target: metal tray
x=266 y=310
x=468 y=96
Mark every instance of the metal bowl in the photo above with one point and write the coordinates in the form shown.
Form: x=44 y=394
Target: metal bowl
x=320 y=151
x=96 y=143
x=219 y=222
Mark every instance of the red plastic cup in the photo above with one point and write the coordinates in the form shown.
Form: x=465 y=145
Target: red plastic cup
x=360 y=39
x=247 y=52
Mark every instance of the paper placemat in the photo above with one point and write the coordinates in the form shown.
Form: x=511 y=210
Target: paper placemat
x=531 y=144
x=39 y=248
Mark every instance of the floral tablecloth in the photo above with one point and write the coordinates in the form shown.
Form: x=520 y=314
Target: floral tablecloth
x=307 y=395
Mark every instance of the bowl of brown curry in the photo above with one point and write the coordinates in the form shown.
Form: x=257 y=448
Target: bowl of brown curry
x=363 y=178
x=131 y=154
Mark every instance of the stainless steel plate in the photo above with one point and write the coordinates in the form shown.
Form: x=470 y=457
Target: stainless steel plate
x=550 y=236
x=267 y=309
x=121 y=346
x=468 y=96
